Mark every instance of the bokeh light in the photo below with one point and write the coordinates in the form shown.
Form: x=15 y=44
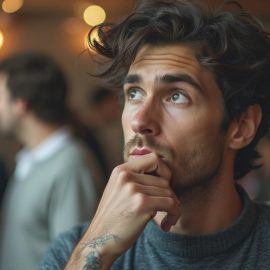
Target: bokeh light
x=2 y=39
x=11 y=6
x=94 y=15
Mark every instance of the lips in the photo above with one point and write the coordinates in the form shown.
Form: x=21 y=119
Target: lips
x=140 y=152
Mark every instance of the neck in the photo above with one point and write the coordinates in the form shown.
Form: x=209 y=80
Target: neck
x=207 y=212
x=33 y=132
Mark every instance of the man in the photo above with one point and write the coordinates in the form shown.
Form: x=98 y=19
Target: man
x=196 y=87
x=52 y=188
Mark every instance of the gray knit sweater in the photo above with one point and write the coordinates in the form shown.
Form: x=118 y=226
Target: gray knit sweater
x=244 y=245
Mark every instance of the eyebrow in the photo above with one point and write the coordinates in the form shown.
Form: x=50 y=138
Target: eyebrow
x=172 y=78
x=132 y=78
x=167 y=78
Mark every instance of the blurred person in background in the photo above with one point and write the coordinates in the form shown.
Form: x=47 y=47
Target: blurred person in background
x=263 y=173
x=101 y=127
x=257 y=182
x=52 y=188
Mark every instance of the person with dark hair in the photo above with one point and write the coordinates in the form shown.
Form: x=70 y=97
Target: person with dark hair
x=52 y=188
x=261 y=177
x=100 y=125
x=197 y=92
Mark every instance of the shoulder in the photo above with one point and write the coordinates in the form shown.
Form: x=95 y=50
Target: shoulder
x=60 y=249
x=71 y=149
x=262 y=229
x=69 y=159
x=263 y=211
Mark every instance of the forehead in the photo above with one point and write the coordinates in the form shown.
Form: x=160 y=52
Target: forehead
x=161 y=58
x=154 y=62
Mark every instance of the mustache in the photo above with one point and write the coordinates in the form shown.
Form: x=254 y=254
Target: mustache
x=149 y=142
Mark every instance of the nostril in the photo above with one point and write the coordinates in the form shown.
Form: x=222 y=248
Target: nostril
x=146 y=127
x=146 y=131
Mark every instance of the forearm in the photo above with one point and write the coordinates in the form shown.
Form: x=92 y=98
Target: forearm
x=94 y=254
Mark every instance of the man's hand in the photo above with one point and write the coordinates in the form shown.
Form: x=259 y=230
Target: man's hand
x=136 y=191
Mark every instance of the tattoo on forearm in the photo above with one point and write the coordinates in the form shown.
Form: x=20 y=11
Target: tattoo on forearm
x=101 y=241
x=92 y=259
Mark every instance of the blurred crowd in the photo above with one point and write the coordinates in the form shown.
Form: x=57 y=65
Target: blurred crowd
x=60 y=161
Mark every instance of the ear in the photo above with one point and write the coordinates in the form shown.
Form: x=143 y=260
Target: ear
x=243 y=129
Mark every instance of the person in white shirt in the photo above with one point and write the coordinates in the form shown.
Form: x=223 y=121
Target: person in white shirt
x=52 y=188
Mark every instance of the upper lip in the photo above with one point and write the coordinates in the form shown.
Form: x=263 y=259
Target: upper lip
x=142 y=151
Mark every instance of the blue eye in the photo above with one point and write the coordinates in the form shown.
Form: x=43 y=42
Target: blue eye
x=179 y=98
x=134 y=94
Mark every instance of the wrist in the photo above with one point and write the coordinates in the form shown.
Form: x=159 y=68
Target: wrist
x=99 y=252
x=94 y=253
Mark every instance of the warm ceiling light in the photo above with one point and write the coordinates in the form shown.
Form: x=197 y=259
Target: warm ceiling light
x=1 y=39
x=94 y=15
x=11 y=6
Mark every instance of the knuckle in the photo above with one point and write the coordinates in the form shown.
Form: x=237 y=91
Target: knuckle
x=169 y=192
x=131 y=188
x=171 y=202
x=166 y=184
x=117 y=170
x=141 y=200
x=123 y=177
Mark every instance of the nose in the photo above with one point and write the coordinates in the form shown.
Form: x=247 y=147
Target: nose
x=146 y=120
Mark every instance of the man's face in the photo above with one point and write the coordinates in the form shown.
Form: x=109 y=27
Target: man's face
x=174 y=108
x=8 y=113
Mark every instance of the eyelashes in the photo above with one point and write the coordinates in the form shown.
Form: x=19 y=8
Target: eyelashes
x=176 y=96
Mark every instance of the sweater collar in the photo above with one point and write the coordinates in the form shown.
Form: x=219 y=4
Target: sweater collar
x=206 y=245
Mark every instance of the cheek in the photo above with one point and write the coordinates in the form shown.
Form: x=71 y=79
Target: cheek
x=126 y=125
x=183 y=137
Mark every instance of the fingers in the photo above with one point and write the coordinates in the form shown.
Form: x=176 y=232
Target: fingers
x=168 y=221
x=145 y=179
x=170 y=205
x=133 y=188
x=147 y=164
x=165 y=204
